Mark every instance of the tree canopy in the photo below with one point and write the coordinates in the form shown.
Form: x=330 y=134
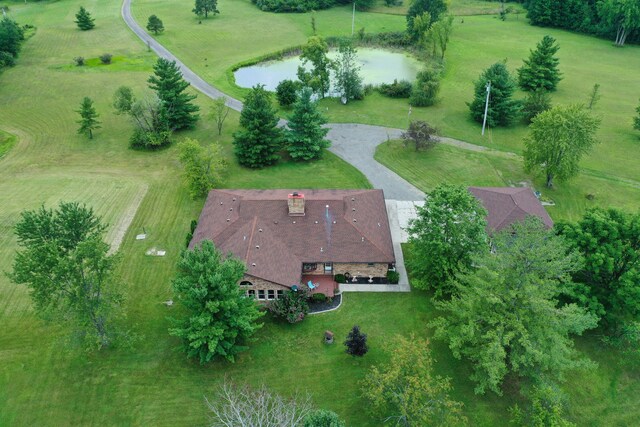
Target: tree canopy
x=88 y=117
x=557 y=140
x=356 y=342
x=447 y=232
x=11 y=37
x=435 y=8
x=257 y=142
x=347 y=72
x=318 y=79
x=219 y=317
x=205 y=7
x=540 y=71
x=502 y=109
x=203 y=166
x=505 y=316
x=84 y=20
x=421 y=135
x=170 y=87
x=306 y=136
x=155 y=24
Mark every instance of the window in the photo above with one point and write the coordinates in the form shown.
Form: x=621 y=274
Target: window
x=271 y=294
x=280 y=293
x=370 y=264
x=309 y=266
x=251 y=294
x=328 y=267
x=246 y=283
x=260 y=293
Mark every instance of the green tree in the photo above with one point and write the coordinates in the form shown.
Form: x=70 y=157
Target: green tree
x=259 y=139
x=293 y=306
x=347 y=72
x=535 y=103
x=356 y=342
x=306 y=136
x=407 y=392
x=505 y=316
x=203 y=166
x=123 y=100
x=155 y=24
x=609 y=280
x=420 y=30
x=421 y=135
x=636 y=119
x=622 y=16
x=66 y=266
x=88 y=117
x=540 y=71
x=151 y=122
x=546 y=408
x=502 y=109
x=11 y=37
x=220 y=318
x=323 y=418
x=424 y=92
x=447 y=232
x=440 y=33
x=84 y=20
x=557 y=140
x=220 y=112
x=436 y=8
x=315 y=52
x=205 y=7
x=287 y=93
x=170 y=87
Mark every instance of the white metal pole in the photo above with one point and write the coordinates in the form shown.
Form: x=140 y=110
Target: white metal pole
x=486 y=107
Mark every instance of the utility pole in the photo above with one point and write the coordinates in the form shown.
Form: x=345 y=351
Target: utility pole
x=486 y=107
x=353 y=19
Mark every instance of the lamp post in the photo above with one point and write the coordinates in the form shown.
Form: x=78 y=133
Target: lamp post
x=486 y=107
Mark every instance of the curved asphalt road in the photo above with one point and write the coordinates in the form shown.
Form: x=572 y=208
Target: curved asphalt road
x=354 y=143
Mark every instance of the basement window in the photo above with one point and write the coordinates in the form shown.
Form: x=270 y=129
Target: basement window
x=309 y=266
x=261 y=294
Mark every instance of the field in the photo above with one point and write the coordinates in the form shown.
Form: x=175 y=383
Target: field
x=43 y=161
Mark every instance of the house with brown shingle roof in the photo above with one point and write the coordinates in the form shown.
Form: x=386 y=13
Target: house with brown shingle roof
x=287 y=238
x=506 y=205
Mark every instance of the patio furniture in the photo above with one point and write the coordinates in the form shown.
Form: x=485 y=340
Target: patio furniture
x=311 y=285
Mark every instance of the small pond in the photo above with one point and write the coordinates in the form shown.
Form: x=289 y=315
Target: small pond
x=377 y=66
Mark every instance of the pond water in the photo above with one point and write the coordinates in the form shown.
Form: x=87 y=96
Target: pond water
x=377 y=66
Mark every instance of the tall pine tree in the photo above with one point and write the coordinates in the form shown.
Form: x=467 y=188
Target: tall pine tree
x=540 y=71
x=84 y=19
x=88 y=117
x=258 y=141
x=169 y=85
x=502 y=109
x=305 y=138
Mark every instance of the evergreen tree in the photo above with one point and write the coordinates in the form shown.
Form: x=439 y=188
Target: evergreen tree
x=535 y=103
x=287 y=92
x=306 y=136
x=84 y=19
x=205 y=7
x=220 y=317
x=88 y=117
x=502 y=109
x=155 y=24
x=259 y=139
x=540 y=71
x=170 y=87
x=323 y=418
x=348 y=80
x=356 y=342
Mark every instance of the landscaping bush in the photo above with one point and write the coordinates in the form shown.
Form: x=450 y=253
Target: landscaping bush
x=149 y=140
x=319 y=297
x=79 y=60
x=293 y=306
x=397 y=89
x=340 y=278
x=286 y=93
x=105 y=58
x=393 y=277
x=192 y=228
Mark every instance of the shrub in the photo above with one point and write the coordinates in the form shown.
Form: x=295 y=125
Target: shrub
x=393 y=277
x=340 y=278
x=286 y=93
x=319 y=297
x=397 y=89
x=192 y=228
x=105 y=58
x=79 y=60
x=149 y=140
x=293 y=305
x=425 y=90
x=367 y=89
x=535 y=103
x=7 y=60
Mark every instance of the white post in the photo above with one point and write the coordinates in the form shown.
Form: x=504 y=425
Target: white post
x=486 y=107
x=353 y=19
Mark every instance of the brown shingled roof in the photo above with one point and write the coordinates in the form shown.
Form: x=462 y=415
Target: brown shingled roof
x=506 y=205
x=338 y=226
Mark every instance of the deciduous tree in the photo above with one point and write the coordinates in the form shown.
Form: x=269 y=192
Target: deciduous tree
x=219 y=112
x=421 y=135
x=347 y=72
x=203 y=166
x=88 y=117
x=220 y=318
x=318 y=79
x=155 y=24
x=621 y=15
x=557 y=140
x=11 y=37
x=123 y=100
x=356 y=342
x=447 y=232
x=440 y=33
x=540 y=71
x=502 y=109
x=323 y=418
x=407 y=392
x=436 y=8
x=205 y=7
x=505 y=316
x=84 y=20
x=424 y=92
x=306 y=136
x=287 y=92
x=151 y=122
x=170 y=87
x=66 y=266
x=259 y=139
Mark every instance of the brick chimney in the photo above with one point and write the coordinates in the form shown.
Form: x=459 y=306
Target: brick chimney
x=296 y=204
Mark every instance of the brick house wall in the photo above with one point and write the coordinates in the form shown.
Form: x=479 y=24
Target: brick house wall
x=258 y=285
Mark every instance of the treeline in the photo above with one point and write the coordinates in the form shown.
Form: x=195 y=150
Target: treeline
x=618 y=20
x=301 y=6
x=11 y=37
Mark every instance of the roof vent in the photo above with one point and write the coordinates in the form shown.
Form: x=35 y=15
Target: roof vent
x=353 y=209
x=230 y=209
x=253 y=264
x=220 y=202
x=316 y=222
x=379 y=225
x=275 y=222
x=354 y=220
x=353 y=199
x=257 y=246
x=321 y=250
x=227 y=219
x=294 y=222
x=362 y=240
x=234 y=199
x=260 y=229
x=335 y=222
